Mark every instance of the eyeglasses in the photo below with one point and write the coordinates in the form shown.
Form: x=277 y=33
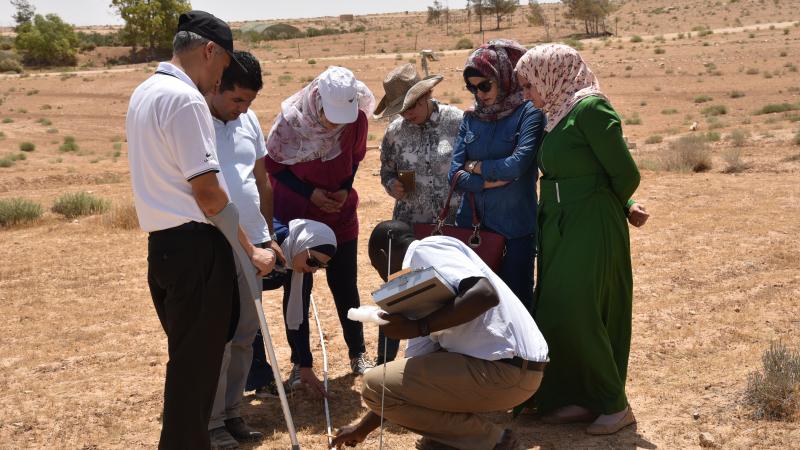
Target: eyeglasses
x=483 y=86
x=311 y=261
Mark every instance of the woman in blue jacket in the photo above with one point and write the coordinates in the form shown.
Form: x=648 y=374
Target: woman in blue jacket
x=496 y=146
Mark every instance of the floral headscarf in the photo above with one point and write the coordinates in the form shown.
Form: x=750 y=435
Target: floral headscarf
x=561 y=77
x=297 y=135
x=496 y=60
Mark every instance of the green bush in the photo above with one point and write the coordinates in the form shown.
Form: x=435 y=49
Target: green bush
x=69 y=145
x=778 y=107
x=715 y=110
x=2 y=135
x=9 y=62
x=712 y=136
x=669 y=111
x=633 y=120
x=464 y=44
x=774 y=391
x=702 y=99
x=27 y=146
x=659 y=51
x=574 y=43
x=47 y=40
x=736 y=94
x=6 y=162
x=15 y=211
x=79 y=204
x=636 y=39
x=45 y=122
x=733 y=161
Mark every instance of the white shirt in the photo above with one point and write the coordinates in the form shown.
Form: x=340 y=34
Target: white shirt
x=240 y=143
x=504 y=331
x=170 y=141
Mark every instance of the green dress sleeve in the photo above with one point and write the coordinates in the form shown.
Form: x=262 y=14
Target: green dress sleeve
x=601 y=126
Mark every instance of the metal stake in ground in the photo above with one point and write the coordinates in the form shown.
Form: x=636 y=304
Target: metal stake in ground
x=328 y=431
x=227 y=221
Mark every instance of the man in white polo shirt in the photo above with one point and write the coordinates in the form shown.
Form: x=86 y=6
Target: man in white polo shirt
x=191 y=270
x=481 y=352
x=241 y=150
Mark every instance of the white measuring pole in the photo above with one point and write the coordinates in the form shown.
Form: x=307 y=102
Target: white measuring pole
x=227 y=221
x=328 y=431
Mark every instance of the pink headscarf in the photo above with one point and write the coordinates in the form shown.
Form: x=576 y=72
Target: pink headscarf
x=297 y=135
x=561 y=77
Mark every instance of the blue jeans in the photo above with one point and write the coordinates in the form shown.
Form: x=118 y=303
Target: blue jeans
x=517 y=268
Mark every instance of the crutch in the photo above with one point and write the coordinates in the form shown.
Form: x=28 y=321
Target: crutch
x=227 y=221
x=328 y=431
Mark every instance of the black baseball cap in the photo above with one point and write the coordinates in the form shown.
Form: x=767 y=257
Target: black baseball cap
x=210 y=27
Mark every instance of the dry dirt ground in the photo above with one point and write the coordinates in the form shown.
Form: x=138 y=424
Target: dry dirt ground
x=716 y=269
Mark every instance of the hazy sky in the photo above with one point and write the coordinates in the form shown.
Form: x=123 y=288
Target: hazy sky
x=97 y=12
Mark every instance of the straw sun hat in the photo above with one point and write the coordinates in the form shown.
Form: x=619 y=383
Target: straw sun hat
x=403 y=88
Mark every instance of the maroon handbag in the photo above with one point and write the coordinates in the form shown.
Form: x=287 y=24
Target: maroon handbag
x=488 y=245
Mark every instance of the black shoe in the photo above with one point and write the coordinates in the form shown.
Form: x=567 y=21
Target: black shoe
x=241 y=432
x=270 y=390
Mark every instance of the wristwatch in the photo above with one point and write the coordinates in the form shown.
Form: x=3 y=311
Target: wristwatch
x=424 y=329
x=471 y=166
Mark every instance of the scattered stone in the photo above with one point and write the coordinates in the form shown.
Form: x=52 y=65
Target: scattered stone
x=736 y=309
x=707 y=440
x=693 y=127
x=696 y=415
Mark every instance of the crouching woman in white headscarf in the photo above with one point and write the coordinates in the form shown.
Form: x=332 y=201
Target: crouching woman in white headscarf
x=308 y=245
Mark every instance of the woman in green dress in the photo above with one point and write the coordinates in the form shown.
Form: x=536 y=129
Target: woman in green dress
x=585 y=286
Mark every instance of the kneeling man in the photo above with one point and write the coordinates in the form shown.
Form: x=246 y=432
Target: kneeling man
x=482 y=352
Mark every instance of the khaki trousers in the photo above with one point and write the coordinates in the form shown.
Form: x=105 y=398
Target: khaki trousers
x=438 y=395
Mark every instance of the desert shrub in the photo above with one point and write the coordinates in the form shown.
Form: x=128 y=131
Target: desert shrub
x=15 y=211
x=733 y=161
x=778 y=107
x=574 y=43
x=122 y=217
x=2 y=135
x=464 y=44
x=8 y=120
x=659 y=51
x=52 y=130
x=654 y=139
x=712 y=136
x=312 y=61
x=715 y=110
x=752 y=71
x=702 y=99
x=44 y=121
x=79 y=204
x=687 y=153
x=774 y=391
x=9 y=62
x=27 y=146
x=6 y=162
x=796 y=139
x=636 y=39
x=669 y=111
x=633 y=120
x=69 y=145
x=736 y=94
x=738 y=137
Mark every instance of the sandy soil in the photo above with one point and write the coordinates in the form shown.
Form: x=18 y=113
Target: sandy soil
x=716 y=269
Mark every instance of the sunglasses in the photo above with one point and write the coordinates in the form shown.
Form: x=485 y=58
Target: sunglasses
x=483 y=86
x=311 y=261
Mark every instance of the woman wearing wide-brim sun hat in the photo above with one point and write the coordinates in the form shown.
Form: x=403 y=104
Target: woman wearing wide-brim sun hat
x=415 y=152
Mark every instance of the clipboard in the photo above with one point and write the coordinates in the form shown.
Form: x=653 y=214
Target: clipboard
x=415 y=294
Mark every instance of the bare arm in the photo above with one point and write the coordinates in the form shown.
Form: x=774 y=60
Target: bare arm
x=212 y=199
x=264 y=192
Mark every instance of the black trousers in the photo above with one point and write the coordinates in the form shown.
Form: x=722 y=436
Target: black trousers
x=192 y=279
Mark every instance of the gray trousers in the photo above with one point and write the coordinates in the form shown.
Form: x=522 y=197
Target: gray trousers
x=236 y=360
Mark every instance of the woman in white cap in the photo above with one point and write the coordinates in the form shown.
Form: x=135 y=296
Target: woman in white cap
x=415 y=154
x=313 y=152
